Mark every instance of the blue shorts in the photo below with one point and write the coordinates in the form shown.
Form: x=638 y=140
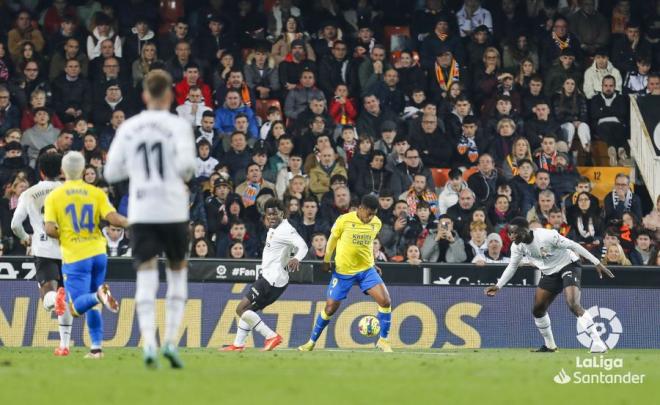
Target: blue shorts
x=84 y=276
x=340 y=284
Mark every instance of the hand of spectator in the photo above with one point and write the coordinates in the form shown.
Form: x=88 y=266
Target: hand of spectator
x=326 y=267
x=70 y=111
x=399 y=224
x=293 y=265
x=491 y=290
x=264 y=92
x=601 y=269
x=576 y=123
x=378 y=67
x=490 y=68
x=480 y=262
x=290 y=86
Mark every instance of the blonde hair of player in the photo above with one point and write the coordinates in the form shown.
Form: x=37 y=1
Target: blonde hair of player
x=157 y=93
x=73 y=165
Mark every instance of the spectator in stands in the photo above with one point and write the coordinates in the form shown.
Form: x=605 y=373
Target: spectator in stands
x=443 y=244
x=621 y=199
x=116 y=242
x=41 y=134
x=192 y=77
x=319 y=175
x=615 y=256
x=261 y=74
x=627 y=48
x=253 y=184
x=541 y=211
x=388 y=92
x=439 y=41
x=586 y=222
x=237 y=233
x=434 y=147
x=103 y=30
x=485 y=80
x=72 y=94
x=216 y=41
x=450 y=191
x=285 y=174
x=532 y=95
x=340 y=205
x=413 y=255
x=110 y=70
x=376 y=178
x=411 y=75
x=139 y=36
x=201 y=248
x=225 y=117
x=601 y=68
x=590 y=26
x=372 y=70
x=167 y=43
x=562 y=69
x=523 y=183
x=461 y=212
x=22 y=86
x=444 y=71
x=193 y=109
x=484 y=182
x=205 y=162
x=10 y=115
x=336 y=69
x=236 y=250
x=476 y=245
x=420 y=191
x=454 y=120
x=542 y=124
x=636 y=81
x=520 y=150
x=295 y=62
x=238 y=156
x=342 y=106
x=299 y=98
x=609 y=117
x=388 y=133
x=651 y=221
x=318 y=244
x=373 y=116
x=310 y=224
x=217 y=207
x=23 y=32
x=114 y=100
x=70 y=50
x=502 y=144
x=558 y=40
x=177 y=64
x=570 y=109
x=493 y=254
x=292 y=32
x=645 y=249
x=403 y=173
x=12 y=163
x=501 y=212
x=142 y=65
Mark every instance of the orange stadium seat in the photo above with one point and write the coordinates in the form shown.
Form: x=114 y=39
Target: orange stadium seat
x=394 y=35
x=602 y=178
x=440 y=176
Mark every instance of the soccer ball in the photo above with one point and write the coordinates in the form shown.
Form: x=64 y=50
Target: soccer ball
x=369 y=326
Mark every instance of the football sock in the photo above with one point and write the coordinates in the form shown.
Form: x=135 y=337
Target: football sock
x=85 y=302
x=242 y=331
x=587 y=322
x=544 y=327
x=65 y=322
x=385 y=319
x=49 y=300
x=255 y=322
x=95 y=324
x=175 y=303
x=145 y=302
x=322 y=320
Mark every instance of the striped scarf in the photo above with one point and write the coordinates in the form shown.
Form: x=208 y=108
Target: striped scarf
x=454 y=75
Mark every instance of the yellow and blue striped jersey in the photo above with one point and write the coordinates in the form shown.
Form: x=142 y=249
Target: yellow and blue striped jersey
x=77 y=208
x=355 y=240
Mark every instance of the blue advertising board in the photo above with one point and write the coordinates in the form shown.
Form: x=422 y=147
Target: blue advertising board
x=422 y=317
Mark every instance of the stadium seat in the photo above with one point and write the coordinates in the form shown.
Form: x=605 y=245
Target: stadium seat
x=440 y=177
x=396 y=37
x=263 y=106
x=602 y=178
x=469 y=172
x=170 y=11
x=268 y=5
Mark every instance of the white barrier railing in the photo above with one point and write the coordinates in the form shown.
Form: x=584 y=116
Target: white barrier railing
x=643 y=152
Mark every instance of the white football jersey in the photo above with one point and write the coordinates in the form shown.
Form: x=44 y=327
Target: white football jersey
x=549 y=252
x=31 y=205
x=281 y=242
x=155 y=151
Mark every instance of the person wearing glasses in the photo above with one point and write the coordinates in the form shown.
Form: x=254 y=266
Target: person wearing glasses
x=404 y=172
x=622 y=199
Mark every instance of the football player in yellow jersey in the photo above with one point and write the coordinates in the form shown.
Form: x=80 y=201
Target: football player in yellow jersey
x=353 y=236
x=72 y=215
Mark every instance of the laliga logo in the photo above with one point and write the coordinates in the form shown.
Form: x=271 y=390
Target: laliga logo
x=221 y=271
x=562 y=377
x=607 y=324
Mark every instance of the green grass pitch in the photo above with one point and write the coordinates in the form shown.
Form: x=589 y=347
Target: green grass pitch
x=325 y=376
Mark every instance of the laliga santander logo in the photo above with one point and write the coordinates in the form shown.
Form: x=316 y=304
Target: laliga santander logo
x=607 y=324
x=562 y=377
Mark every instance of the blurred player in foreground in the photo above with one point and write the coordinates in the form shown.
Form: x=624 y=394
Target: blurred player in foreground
x=45 y=249
x=281 y=242
x=558 y=258
x=353 y=236
x=73 y=212
x=155 y=151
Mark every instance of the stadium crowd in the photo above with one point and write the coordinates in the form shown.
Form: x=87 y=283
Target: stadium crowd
x=315 y=103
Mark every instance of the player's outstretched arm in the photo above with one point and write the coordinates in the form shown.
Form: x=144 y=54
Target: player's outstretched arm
x=329 y=251
x=116 y=219
x=507 y=274
x=564 y=242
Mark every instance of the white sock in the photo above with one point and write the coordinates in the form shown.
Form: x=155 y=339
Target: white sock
x=242 y=332
x=65 y=321
x=49 y=300
x=255 y=322
x=587 y=323
x=146 y=287
x=177 y=293
x=544 y=327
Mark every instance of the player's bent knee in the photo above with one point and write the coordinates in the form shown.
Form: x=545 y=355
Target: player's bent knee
x=331 y=308
x=538 y=312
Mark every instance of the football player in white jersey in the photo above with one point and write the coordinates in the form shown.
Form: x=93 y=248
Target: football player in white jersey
x=45 y=249
x=155 y=151
x=558 y=258
x=276 y=263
